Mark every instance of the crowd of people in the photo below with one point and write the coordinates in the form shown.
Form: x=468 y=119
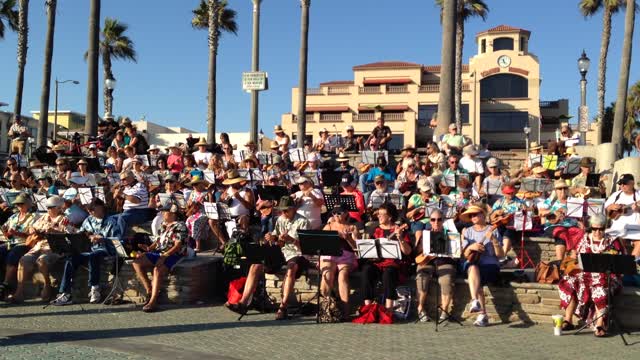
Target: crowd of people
x=198 y=196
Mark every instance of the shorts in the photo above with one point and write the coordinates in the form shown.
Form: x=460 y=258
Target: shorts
x=558 y=241
x=418 y=225
x=488 y=272
x=170 y=261
x=29 y=260
x=301 y=261
x=15 y=254
x=347 y=258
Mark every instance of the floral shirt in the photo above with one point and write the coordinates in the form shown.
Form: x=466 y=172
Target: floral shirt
x=47 y=224
x=105 y=227
x=14 y=223
x=290 y=227
x=509 y=207
x=170 y=234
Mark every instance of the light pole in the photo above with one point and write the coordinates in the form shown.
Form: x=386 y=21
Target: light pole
x=110 y=84
x=527 y=131
x=255 y=66
x=55 y=110
x=583 y=123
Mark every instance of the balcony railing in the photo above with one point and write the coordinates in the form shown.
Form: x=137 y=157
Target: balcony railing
x=331 y=117
x=434 y=88
x=393 y=116
x=309 y=118
x=364 y=117
x=370 y=90
x=314 y=91
x=339 y=90
x=397 y=89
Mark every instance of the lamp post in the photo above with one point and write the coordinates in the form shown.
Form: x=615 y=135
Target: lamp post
x=55 y=110
x=583 y=122
x=260 y=137
x=255 y=66
x=527 y=131
x=110 y=84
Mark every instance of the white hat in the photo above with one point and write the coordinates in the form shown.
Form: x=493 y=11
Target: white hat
x=313 y=157
x=93 y=146
x=453 y=126
x=303 y=179
x=493 y=162
x=153 y=147
x=324 y=130
x=54 y=201
x=349 y=127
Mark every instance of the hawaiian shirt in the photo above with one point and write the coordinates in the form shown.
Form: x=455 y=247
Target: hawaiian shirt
x=106 y=227
x=510 y=207
x=290 y=227
x=170 y=234
x=14 y=223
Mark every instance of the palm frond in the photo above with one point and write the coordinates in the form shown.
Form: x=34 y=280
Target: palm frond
x=226 y=18
x=8 y=14
x=115 y=42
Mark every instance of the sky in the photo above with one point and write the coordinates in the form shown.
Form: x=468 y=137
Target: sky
x=168 y=84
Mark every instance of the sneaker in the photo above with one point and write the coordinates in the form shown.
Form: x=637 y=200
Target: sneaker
x=482 y=320
x=423 y=317
x=62 y=299
x=505 y=260
x=443 y=316
x=94 y=295
x=475 y=306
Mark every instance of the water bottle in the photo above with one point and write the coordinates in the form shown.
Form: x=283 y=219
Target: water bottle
x=557 y=134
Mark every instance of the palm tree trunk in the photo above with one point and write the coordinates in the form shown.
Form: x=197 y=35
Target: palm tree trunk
x=23 y=41
x=623 y=82
x=107 y=94
x=447 y=71
x=213 y=58
x=458 y=74
x=302 y=86
x=602 y=68
x=91 y=122
x=46 y=79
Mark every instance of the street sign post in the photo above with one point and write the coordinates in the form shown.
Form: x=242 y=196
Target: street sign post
x=254 y=81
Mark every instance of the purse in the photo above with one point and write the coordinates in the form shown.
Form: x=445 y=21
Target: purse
x=547 y=272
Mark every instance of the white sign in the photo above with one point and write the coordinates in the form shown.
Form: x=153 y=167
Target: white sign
x=583 y=118
x=254 y=81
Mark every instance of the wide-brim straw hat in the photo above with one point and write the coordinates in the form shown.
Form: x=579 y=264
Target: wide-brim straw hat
x=197 y=180
x=408 y=148
x=535 y=146
x=202 y=142
x=233 y=178
x=22 y=199
x=539 y=170
x=342 y=157
x=35 y=163
x=473 y=209
x=274 y=145
x=277 y=129
x=59 y=147
x=560 y=184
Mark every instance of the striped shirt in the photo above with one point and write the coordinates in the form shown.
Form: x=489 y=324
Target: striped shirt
x=140 y=191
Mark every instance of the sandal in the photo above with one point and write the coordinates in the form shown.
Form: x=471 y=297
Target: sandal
x=148 y=309
x=567 y=326
x=600 y=332
x=282 y=313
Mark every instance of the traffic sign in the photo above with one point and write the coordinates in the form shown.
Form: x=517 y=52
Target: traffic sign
x=583 y=118
x=254 y=81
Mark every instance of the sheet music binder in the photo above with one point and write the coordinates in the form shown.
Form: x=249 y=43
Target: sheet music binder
x=217 y=211
x=266 y=192
x=440 y=244
x=379 y=249
x=331 y=200
x=370 y=157
x=69 y=243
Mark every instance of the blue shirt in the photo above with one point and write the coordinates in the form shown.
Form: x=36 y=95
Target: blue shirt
x=389 y=174
x=104 y=227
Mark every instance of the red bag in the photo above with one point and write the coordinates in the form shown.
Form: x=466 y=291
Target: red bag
x=236 y=287
x=373 y=313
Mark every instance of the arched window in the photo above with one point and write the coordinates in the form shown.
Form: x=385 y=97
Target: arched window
x=504 y=43
x=504 y=86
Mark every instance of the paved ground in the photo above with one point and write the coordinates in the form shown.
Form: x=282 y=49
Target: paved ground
x=205 y=332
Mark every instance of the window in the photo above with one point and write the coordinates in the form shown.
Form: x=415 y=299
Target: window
x=396 y=142
x=513 y=121
x=425 y=112
x=502 y=86
x=522 y=43
x=483 y=46
x=503 y=44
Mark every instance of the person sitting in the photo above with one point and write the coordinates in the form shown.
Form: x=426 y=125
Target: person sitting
x=416 y=211
x=407 y=152
x=15 y=231
x=579 y=290
x=240 y=201
x=341 y=265
x=380 y=194
x=162 y=255
x=20 y=134
x=202 y=156
x=285 y=235
x=554 y=210
x=579 y=182
x=135 y=207
x=407 y=179
x=40 y=253
x=309 y=201
x=624 y=205
x=503 y=210
x=444 y=267
x=130 y=156
x=348 y=188
x=323 y=145
x=390 y=271
x=99 y=228
x=366 y=179
x=197 y=220
x=282 y=139
x=452 y=142
x=351 y=143
x=344 y=167
x=436 y=158
x=482 y=246
x=472 y=165
x=493 y=183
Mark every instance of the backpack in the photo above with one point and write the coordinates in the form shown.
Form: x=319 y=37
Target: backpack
x=402 y=306
x=329 y=310
x=232 y=254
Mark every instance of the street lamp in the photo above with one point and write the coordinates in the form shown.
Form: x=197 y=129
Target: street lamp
x=260 y=137
x=527 y=131
x=55 y=114
x=110 y=83
x=583 y=67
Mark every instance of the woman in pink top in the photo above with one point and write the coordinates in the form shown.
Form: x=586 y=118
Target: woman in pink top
x=174 y=161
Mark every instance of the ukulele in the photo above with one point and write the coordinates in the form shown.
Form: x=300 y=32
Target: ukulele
x=474 y=255
x=623 y=210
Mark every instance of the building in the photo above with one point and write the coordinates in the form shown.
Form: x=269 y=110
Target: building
x=500 y=96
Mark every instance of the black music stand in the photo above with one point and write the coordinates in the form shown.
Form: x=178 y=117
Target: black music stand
x=270 y=257
x=274 y=193
x=319 y=243
x=93 y=165
x=68 y=245
x=593 y=180
x=332 y=178
x=348 y=201
x=610 y=265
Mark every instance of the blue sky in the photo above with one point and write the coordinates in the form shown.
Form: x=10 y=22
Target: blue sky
x=168 y=84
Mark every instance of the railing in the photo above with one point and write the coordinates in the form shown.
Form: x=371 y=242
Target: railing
x=429 y=88
x=364 y=117
x=370 y=90
x=331 y=117
x=339 y=90
x=393 y=116
x=397 y=89
x=309 y=117
x=314 y=91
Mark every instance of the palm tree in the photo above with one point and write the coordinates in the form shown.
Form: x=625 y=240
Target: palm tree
x=23 y=41
x=216 y=17
x=609 y=7
x=46 y=78
x=93 y=52
x=447 y=70
x=465 y=9
x=632 y=122
x=114 y=45
x=623 y=83
x=8 y=14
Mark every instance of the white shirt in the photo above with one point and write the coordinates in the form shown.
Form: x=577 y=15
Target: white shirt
x=204 y=156
x=140 y=191
x=309 y=209
x=472 y=165
x=236 y=208
x=624 y=199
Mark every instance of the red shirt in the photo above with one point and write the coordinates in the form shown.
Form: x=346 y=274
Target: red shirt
x=379 y=233
x=175 y=164
x=357 y=215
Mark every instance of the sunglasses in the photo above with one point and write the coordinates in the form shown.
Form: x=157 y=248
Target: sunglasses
x=453 y=162
x=379 y=182
x=597 y=229
x=474 y=215
x=436 y=219
x=339 y=213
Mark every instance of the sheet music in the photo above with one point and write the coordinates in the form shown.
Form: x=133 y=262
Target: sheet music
x=595 y=207
x=217 y=211
x=85 y=196
x=390 y=249
x=535 y=158
x=367 y=248
x=36 y=173
x=255 y=175
x=209 y=176
x=144 y=160
x=152 y=179
x=99 y=192
x=370 y=157
x=3 y=191
x=41 y=202
x=314 y=175
x=180 y=199
x=519 y=221
x=297 y=155
x=449 y=180
x=153 y=160
x=396 y=200
x=239 y=156
x=537 y=185
x=573 y=166
x=550 y=162
x=575 y=207
x=264 y=158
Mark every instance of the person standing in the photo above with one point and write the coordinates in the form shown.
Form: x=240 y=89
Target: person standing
x=380 y=136
x=19 y=133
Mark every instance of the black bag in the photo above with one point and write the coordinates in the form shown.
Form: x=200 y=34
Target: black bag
x=329 y=310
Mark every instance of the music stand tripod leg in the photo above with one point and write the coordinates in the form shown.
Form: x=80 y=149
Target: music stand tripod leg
x=318 y=289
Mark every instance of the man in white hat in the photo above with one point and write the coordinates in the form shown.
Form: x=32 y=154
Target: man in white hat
x=454 y=142
x=351 y=143
x=136 y=203
x=310 y=201
x=323 y=144
x=202 y=156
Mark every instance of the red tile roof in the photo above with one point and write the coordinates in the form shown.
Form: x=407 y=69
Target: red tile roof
x=387 y=65
x=504 y=28
x=436 y=68
x=311 y=109
x=362 y=108
x=337 y=82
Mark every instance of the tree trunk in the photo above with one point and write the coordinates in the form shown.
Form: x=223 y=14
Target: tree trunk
x=302 y=86
x=107 y=94
x=23 y=43
x=602 y=68
x=458 y=74
x=623 y=82
x=447 y=71
x=46 y=79
x=213 y=56
x=91 y=122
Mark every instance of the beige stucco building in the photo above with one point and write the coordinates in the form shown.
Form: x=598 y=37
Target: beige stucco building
x=500 y=96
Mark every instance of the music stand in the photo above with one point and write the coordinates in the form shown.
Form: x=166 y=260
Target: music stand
x=93 y=165
x=349 y=201
x=593 y=180
x=121 y=255
x=332 y=178
x=68 y=245
x=266 y=192
x=319 y=243
x=608 y=264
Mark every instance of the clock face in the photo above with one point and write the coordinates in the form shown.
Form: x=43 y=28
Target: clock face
x=504 y=61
